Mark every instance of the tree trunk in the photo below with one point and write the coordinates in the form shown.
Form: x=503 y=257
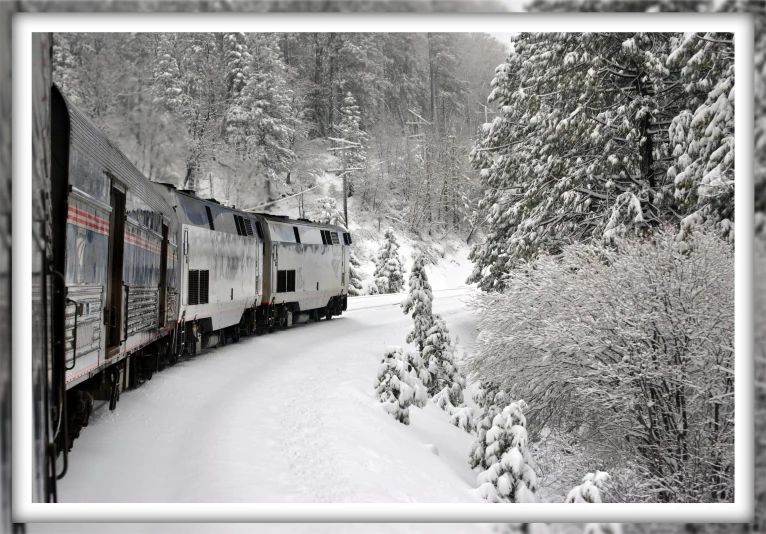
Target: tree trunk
x=318 y=115
x=432 y=75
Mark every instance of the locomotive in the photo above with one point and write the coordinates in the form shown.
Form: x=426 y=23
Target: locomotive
x=134 y=274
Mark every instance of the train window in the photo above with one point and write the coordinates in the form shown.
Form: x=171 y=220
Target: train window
x=259 y=229
x=199 y=286
x=324 y=237
x=335 y=240
x=209 y=217
x=290 y=281
x=297 y=235
x=240 y=224
x=346 y=238
x=248 y=227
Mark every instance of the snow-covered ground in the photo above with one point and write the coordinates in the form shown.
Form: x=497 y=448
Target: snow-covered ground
x=286 y=417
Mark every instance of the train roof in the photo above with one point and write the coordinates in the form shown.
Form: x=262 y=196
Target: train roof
x=298 y=222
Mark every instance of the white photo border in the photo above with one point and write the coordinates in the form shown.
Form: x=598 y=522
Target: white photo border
x=24 y=24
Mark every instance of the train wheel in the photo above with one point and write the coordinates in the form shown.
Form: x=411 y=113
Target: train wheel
x=328 y=315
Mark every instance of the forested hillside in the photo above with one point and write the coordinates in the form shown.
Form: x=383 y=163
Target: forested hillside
x=248 y=118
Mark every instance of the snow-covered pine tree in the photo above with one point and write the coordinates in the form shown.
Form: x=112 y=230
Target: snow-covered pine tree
x=237 y=124
x=590 y=489
x=389 y=268
x=350 y=130
x=398 y=383
x=703 y=135
x=439 y=353
x=557 y=170
x=168 y=87
x=419 y=303
x=237 y=57
x=354 y=274
x=510 y=476
x=266 y=100
x=329 y=213
x=491 y=401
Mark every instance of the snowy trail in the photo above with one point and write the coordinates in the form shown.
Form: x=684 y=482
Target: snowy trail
x=286 y=417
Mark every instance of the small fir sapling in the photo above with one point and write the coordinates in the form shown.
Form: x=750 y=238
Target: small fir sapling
x=398 y=384
x=510 y=476
x=439 y=352
x=418 y=302
x=491 y=401
x=389 y=271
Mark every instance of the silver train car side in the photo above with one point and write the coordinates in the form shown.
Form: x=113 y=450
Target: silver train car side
x=305 y=270
x=134 y=274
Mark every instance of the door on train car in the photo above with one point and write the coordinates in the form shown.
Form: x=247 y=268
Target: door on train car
x=164 y=276
x=114 y=297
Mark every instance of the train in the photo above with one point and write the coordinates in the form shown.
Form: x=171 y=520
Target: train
x=130 y=275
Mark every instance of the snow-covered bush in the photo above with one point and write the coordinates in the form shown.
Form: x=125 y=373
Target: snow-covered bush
x=329 y=213
x=590 y=489
x=491 y=402
x=510 y=476
x=398 y=384
x=389 y=268
x=418 y=302
x=633 y=342
x=439 y=355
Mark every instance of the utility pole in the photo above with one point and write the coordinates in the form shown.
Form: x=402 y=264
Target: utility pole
x=345 y=144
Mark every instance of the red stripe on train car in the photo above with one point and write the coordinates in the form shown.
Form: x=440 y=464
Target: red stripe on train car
x=86 y=215
x=82 y=223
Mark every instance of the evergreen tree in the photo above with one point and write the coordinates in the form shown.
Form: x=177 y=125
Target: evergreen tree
x=354 y=274
x=703 y=139
x=266 y=101
x=236 y=124
x=398 y=384
x=438 y=353
x=510 y=476
x=238 y=58
x=578 y=150
x=389 y=275
x=349 y=129
x=419 y=303
x=168 y=88
x=491 y=401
